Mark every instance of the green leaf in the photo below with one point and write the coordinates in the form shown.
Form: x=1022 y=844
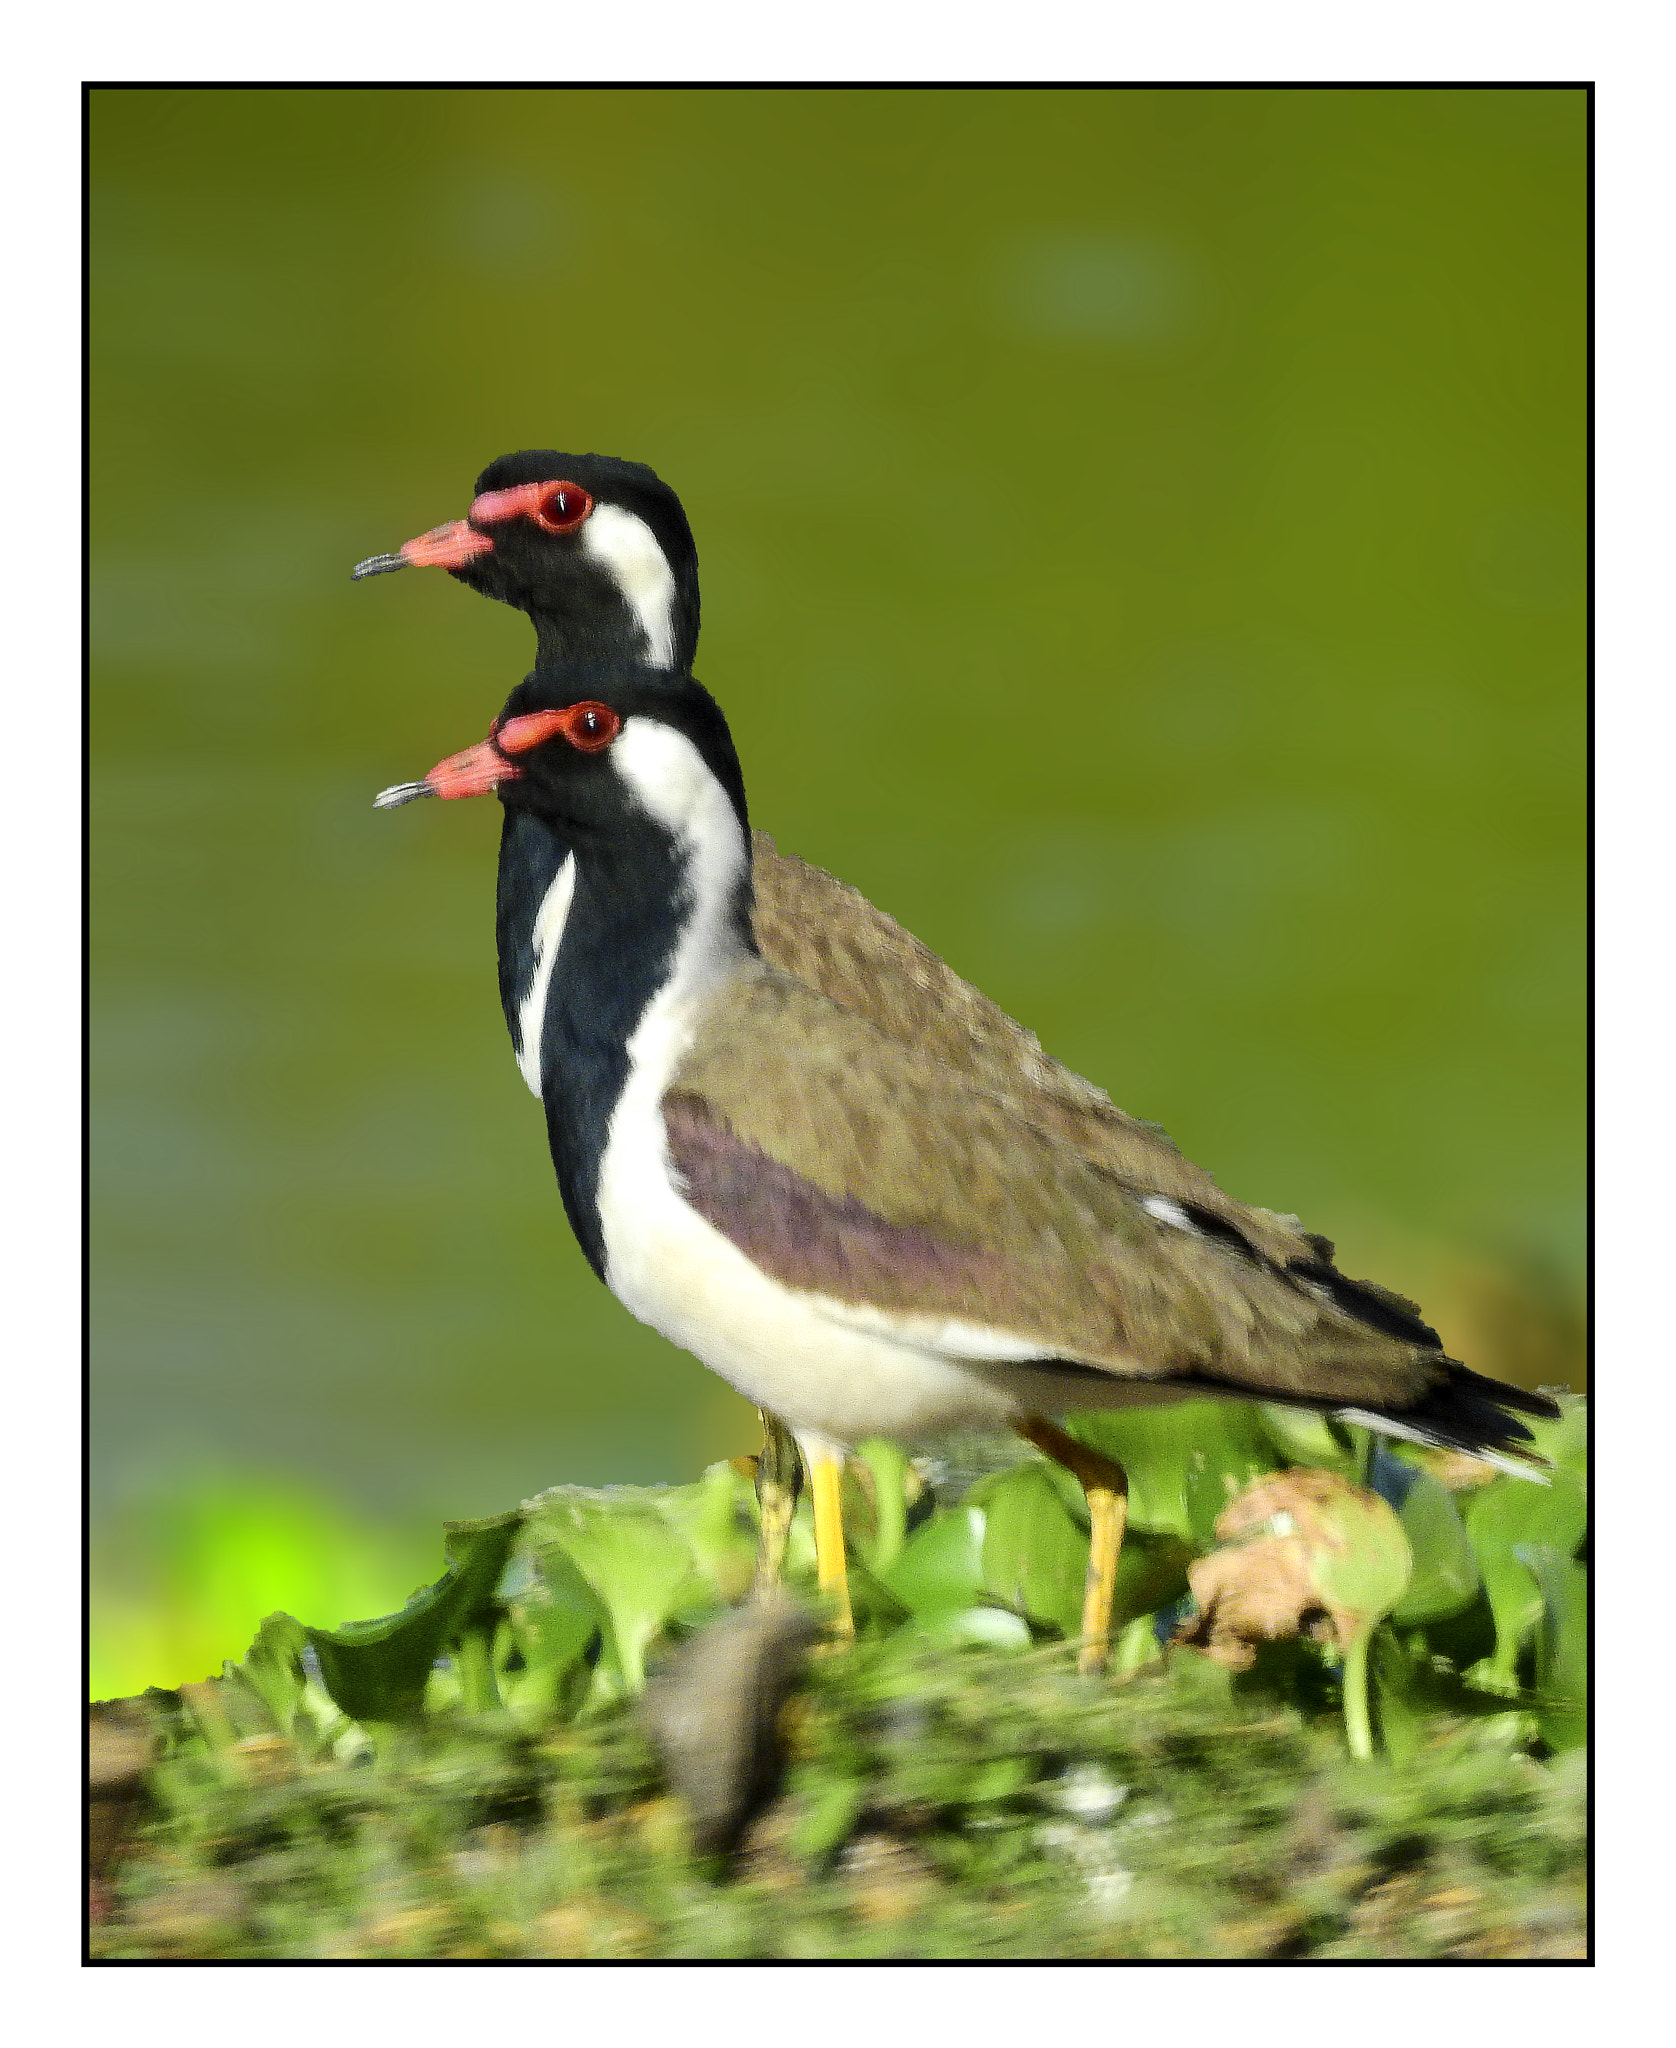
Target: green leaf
x=1394 y=1682
x=1363 y=1567
x=887 y=1462
x=716 y=1516
x=1151 y=1573
x=1445 y=1576
x=940 y=1568
x=994 y=1627
x=1565 y=1443
x=1464 y=1638
x=1359 y=1561
x=637 y=1563
x=872 y=1602
x=1304 y=1437
x=376 y=1671
x=273 y=1669
x=828 y=1819
x=1035 y=1557
x=1185 y=1461
x=1502 y=1517
x=1562 y=1645
x=555 y=1615
x=1137 y=1645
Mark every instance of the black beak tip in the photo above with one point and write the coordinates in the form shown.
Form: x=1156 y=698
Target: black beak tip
x=400 y=793
x=377 y=565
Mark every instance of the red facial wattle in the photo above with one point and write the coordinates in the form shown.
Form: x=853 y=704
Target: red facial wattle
x=590 y=729
x=556 y=507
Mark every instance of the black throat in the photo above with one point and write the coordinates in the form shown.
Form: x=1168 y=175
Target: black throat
x=596 y=628
x=631 y=905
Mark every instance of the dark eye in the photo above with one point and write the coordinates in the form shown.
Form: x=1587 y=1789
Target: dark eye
x=590 y=728
x=561 y=507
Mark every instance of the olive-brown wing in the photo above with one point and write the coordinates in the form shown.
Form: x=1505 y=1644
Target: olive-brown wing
x=850 y=1164
x=827 y=935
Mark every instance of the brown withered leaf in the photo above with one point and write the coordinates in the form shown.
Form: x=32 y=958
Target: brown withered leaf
x=1265 y=1587
x=1257 y=1593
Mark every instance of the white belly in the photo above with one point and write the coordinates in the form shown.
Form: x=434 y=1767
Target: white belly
x=676 y=1272
x=785 y=1350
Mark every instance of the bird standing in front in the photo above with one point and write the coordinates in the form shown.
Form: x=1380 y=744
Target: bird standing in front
x=857 y=1235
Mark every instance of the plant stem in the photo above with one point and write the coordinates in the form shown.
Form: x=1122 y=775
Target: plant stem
x=888 y=1463
x=479 y=1693
x=1353 y=1679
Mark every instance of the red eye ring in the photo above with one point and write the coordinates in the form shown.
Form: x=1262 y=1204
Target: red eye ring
x=556 y=507
x=590 y=728
x=561 y=508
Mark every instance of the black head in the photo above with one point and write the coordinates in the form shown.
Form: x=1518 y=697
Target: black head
x=596 y=551
x=627 y=745
x=605 y=754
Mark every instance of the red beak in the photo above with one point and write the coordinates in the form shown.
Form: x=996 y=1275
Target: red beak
x=444 y=547
x=476 y=772
x=485 y=767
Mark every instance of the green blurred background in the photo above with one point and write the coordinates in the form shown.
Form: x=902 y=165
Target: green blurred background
x=1143 y=547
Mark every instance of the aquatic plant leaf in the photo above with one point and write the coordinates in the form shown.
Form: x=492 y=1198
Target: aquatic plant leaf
x=555 y=1616
x=637 y=1563
x=1296 y=1544
x=994 y=1627
x=940 y=1568
x=716 y=1516
x=1445 y=1578
x=1035 y=1557
x=1394 y=1682
x=272 y=1669
x=1562 y=1644
x=1565 y=1443
x=1185 y=1461
x=1362 y=1562
x=1305 y=1437
x=376 y=1671
x=1499 y=1519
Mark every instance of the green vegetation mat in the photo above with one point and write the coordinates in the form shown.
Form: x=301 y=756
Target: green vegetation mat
x=1363 y=1737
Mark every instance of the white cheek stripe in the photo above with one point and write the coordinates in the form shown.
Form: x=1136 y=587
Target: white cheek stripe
x=626 y=548
x=549 y=930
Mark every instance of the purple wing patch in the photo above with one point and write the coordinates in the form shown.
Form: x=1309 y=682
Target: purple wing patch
x=802 y=1236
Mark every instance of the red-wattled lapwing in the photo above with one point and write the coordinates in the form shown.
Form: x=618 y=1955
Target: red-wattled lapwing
x=858 y=1236
x=597 y=551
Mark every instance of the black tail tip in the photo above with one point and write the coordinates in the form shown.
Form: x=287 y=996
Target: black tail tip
x=1467 y=1412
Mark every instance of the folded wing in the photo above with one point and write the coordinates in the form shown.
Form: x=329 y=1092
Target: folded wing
x=851 y=1165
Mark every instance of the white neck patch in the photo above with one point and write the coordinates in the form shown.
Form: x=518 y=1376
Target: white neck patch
x=627 y=549
x=549 y=930
x=670 y=779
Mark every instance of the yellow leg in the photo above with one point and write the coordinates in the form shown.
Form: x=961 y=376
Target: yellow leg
x=1106 y=1487
x=826 y=1475
x=779 y=1481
